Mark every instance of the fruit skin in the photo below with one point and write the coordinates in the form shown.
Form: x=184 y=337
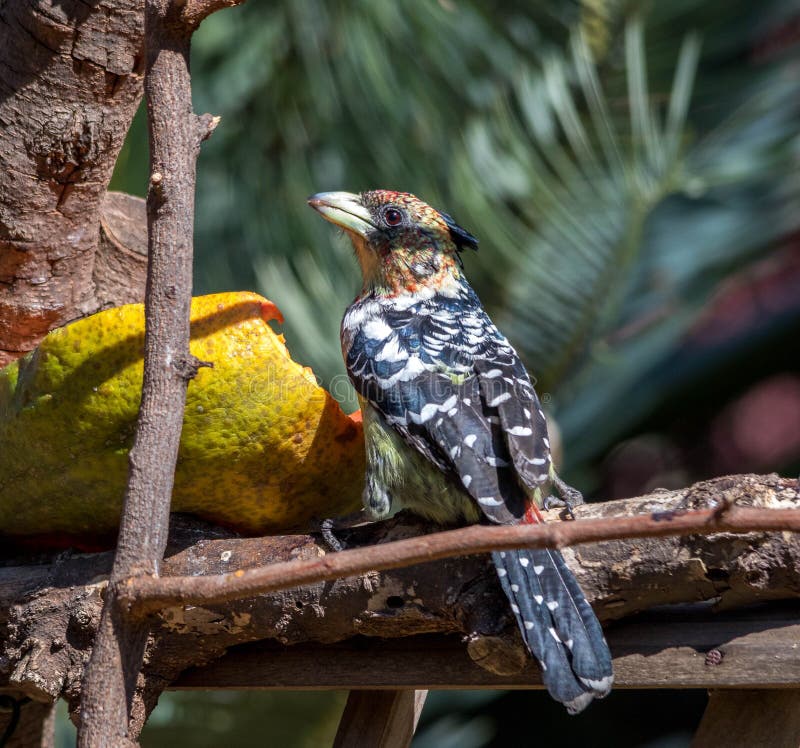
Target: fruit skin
x=264 y=448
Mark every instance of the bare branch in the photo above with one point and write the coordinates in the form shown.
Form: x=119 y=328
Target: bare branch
x=146 y=595
x=51 y=609
x=195 y=11
x=108 y=716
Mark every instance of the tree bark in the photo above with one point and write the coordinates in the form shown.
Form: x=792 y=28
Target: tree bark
x=29 y=724
x=49 y=610
x=71 y=80
x=110 y=715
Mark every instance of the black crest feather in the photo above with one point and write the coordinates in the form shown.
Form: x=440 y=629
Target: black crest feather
x=461 y=237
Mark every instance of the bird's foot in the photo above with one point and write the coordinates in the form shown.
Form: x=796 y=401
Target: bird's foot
x=569 y=497
x=554 y=502
x=328 y=527
x=326 y=530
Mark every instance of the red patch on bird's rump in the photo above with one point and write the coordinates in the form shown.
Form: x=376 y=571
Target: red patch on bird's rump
x=532 y=515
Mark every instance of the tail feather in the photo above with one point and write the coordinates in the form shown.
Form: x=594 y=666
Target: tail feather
x=591 y=658
x=558 y=625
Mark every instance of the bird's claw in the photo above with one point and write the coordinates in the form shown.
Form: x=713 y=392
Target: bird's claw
x=569 y=497
x=326 y=530
x=326 y=527
x=553 y=502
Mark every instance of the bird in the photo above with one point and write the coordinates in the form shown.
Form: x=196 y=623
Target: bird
x=453 y=428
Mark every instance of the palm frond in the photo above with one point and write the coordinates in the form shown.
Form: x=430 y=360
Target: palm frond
x=593 y=190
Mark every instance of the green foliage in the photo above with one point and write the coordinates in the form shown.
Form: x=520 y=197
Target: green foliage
x=617 y=160
x=209 y=719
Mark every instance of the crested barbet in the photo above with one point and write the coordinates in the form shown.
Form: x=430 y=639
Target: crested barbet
x=454 y=430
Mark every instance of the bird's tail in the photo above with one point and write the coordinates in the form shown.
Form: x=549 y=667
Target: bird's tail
x=558 y=625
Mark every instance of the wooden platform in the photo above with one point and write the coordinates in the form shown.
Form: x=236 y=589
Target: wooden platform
x=759 y=648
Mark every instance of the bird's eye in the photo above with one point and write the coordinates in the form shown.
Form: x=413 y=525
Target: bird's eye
x=392 y=216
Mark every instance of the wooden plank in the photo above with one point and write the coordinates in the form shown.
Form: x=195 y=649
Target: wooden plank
x=660 y=650
x=35 y=726
x=383 y=719
x=750 y=719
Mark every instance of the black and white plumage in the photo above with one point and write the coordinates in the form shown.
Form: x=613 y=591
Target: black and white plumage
x=443 y=376
x=454 y=429
x=449 y=384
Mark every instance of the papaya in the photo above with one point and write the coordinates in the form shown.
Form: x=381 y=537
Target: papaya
x=264 y=448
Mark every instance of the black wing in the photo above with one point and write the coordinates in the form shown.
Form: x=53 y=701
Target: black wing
x=455 y=390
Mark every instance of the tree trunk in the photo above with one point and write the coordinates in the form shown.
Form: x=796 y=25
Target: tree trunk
x=70 y=83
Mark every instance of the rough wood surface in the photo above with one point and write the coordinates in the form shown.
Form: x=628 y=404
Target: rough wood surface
x=71 y=80
x=691 y=647
x=120 y=263
x=379 y=719
x=49 y=606
x=110 y=714
x=146 y=595
x=665 y=648
x=35 y=727
x=750 y=719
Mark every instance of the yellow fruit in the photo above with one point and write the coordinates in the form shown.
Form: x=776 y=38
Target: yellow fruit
x=264 y=448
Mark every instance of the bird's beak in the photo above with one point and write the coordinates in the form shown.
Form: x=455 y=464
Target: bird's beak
x=345 y=210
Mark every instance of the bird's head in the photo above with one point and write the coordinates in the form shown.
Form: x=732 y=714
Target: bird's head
x=401 y=243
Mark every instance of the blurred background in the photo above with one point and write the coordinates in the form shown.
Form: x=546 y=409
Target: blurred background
x=632 y=171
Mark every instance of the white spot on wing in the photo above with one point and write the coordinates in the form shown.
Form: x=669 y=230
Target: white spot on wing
x=520 y=431
x=489 y=501
x=413 y=368
x=392 y=351
x=524 y=561
x=515 y=588
x=554 y=634
x=429 y=410
x=449 y=403
x=501 y=572
x=515 y=607
x=470 y=439
x=496 y=462
x=553 y=604
x=493 y=373
x=538 y=570
x=528 y=625
x=466 y=480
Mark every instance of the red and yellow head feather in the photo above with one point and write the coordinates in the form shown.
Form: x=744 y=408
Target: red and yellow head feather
x=402 y=243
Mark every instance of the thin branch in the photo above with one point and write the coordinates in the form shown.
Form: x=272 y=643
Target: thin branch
x=109 y=715
x=195 y=11
x=147 y=595
x=57 y=605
